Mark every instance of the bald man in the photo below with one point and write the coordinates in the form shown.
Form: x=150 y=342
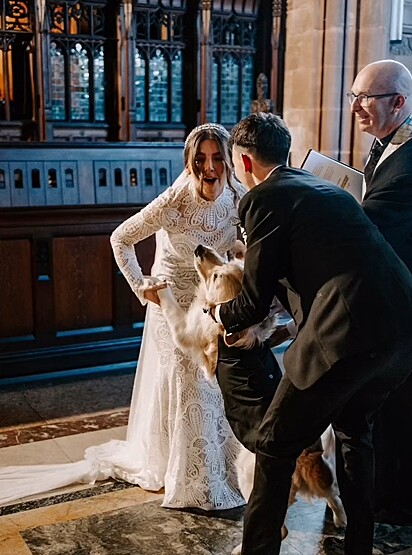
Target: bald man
x=381 y=99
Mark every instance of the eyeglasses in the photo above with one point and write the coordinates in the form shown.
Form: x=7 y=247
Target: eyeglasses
x=363 y=99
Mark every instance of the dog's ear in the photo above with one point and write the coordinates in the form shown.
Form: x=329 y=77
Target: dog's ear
x=237 y=251
x=233 y=282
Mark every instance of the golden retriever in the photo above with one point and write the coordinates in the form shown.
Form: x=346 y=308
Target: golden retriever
x=196 y=334
x=194 y=331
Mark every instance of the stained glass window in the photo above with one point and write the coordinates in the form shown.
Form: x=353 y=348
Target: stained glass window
x=57 y=81
x=229 y=86
x=99 y=84
x=77 y=60
x=158 y=84
x=159 y=61
x=247 y=84
x=140 y=85
x=80 y=79
x=233 y=68
x=177 y=86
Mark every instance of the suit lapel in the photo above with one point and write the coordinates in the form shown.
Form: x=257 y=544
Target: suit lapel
x=402 y=135
x=390 y=149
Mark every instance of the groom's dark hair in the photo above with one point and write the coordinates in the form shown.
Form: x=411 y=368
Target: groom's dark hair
x=265 y=136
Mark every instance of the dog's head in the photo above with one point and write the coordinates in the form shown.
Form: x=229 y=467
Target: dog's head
x=222 y=279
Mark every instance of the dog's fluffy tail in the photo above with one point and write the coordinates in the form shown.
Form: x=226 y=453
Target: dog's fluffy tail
x=313 y=476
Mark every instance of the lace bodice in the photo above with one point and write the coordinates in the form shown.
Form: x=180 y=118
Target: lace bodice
x=181 y=220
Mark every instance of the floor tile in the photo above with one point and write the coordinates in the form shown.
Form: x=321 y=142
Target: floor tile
x=61 y=398
x=16 y=410
x=43 y=452
x=75 y=446
x=143 y=529
x=11 y=542
x=29 y=433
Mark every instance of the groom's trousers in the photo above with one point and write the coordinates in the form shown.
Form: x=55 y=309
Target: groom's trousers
x=348 y=395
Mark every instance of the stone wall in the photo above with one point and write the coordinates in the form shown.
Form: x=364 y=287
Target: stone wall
x=402 y=51
x=327 y=43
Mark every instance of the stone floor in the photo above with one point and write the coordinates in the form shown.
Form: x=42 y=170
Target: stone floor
x=53 y=421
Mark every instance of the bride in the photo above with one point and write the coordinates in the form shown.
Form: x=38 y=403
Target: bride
x=177 y=436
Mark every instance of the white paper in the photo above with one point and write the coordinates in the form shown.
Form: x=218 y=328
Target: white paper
x=334 y=171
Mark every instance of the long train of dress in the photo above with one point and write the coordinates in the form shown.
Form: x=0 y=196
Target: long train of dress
x=180 y=441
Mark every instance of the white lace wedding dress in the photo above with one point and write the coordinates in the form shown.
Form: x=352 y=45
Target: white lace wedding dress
x=178 y=436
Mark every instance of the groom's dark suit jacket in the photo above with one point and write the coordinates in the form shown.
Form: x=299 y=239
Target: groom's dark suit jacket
x=388 y=200
x=348 y=291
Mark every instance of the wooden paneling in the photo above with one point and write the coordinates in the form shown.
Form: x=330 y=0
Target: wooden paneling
x=82 y=282
x=16 y=302
x=64 y=303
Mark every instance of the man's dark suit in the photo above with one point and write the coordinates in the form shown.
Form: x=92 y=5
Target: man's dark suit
x=388 y=200
x=351 y=298
x=388 y=203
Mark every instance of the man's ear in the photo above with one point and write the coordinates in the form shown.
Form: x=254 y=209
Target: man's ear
x=247 y=163
x=399 y=101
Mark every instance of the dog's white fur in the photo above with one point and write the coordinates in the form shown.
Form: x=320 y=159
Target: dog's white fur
x=196 y=334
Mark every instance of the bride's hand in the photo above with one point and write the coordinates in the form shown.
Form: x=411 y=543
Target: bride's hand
x=150 y=293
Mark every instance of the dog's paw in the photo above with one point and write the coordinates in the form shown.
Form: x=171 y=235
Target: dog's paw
x=339 y=520
x=150 y=281
x=339 y=516
x=165 y=291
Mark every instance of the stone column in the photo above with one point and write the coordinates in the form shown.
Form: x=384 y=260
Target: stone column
x=373 y=45
x=206 y=62
x=39 y=81
x=327 y=43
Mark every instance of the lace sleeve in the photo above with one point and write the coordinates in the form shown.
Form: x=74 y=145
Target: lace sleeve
x=136 y=228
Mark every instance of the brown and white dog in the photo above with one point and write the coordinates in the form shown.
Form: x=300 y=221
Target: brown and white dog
x=314 y=477
x=193 y=331
x=196 y=334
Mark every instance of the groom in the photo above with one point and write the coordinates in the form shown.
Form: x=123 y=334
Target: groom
x=351 y=298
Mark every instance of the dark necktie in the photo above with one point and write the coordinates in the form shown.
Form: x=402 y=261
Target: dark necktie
x=375 y=153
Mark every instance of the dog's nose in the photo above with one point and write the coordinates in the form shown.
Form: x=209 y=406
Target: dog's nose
x=199 y=250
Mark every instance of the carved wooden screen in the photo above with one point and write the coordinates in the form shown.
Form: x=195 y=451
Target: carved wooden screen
x=16 y=34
